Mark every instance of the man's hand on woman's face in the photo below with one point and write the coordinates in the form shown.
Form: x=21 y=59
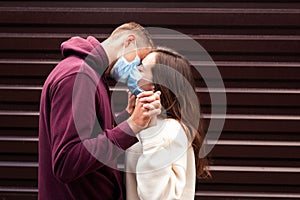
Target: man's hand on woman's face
x=147 y=106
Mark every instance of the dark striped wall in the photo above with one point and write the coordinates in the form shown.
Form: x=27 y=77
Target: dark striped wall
x=256 y=46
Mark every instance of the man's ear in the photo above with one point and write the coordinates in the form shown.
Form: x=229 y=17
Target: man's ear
x=130 y=38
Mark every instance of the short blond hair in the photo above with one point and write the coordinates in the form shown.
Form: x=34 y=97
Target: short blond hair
x=140 y=31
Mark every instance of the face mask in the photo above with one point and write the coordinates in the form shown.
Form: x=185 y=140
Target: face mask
x=126 y=72
x=132 y=82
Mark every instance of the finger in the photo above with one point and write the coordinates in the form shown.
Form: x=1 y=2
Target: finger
x=148 y=106
x=132 y=97
x=148 y=99
x=153 y=97
x=145 y=94
x=157 y=95
x=129 y=93
x=155 y=112
x=156 y=104
x=139 y=103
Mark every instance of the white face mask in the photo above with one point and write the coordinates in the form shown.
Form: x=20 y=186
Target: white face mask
x=126 y=72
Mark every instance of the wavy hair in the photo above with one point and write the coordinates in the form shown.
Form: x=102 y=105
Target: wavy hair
x=172 y=75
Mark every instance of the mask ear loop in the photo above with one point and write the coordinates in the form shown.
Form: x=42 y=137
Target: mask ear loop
x=123 y=50
x=136 y=50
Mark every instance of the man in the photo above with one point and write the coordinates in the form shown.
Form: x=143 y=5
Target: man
x=79 y=142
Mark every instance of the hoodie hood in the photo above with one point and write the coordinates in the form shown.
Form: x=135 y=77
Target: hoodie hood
x=89 y=49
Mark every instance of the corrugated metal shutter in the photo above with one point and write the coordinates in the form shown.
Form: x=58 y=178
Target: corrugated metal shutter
x=256 y=46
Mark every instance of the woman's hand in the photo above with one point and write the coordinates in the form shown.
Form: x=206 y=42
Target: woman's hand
x=147 y=106
x=131 y=102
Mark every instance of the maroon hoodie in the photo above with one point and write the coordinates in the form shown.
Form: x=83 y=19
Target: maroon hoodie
x=78 y=141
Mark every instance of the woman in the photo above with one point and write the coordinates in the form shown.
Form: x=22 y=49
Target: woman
x=164 y=163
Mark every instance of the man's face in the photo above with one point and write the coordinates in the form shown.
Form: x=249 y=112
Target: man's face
x=142 y=53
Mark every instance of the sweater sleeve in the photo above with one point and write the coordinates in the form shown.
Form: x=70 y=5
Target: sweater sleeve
x=161 y=169
x=72 y=120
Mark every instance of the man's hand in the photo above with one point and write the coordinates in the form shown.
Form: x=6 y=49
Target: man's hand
x=147 y=106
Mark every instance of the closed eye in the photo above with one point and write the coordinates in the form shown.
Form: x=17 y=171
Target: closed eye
x=140 y=67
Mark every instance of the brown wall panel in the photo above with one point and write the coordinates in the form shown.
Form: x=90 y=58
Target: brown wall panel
x=255 y=46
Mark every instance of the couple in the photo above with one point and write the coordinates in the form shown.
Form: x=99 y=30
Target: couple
x=80 y=142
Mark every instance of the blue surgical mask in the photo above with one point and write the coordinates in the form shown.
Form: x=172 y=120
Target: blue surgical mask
x=132 y=82
x=122 y=68
x=126 y=72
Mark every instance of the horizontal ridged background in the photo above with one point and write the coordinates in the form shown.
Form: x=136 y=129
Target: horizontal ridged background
x=255 y=45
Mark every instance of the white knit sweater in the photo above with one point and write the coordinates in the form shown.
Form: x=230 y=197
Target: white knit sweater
x=161 y=165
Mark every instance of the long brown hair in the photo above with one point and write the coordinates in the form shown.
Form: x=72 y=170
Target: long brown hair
x=172 y=75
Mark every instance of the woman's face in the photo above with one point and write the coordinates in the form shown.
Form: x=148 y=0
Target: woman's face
x=146 y=82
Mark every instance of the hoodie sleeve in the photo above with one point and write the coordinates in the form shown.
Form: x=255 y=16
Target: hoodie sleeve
x=73 y=116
